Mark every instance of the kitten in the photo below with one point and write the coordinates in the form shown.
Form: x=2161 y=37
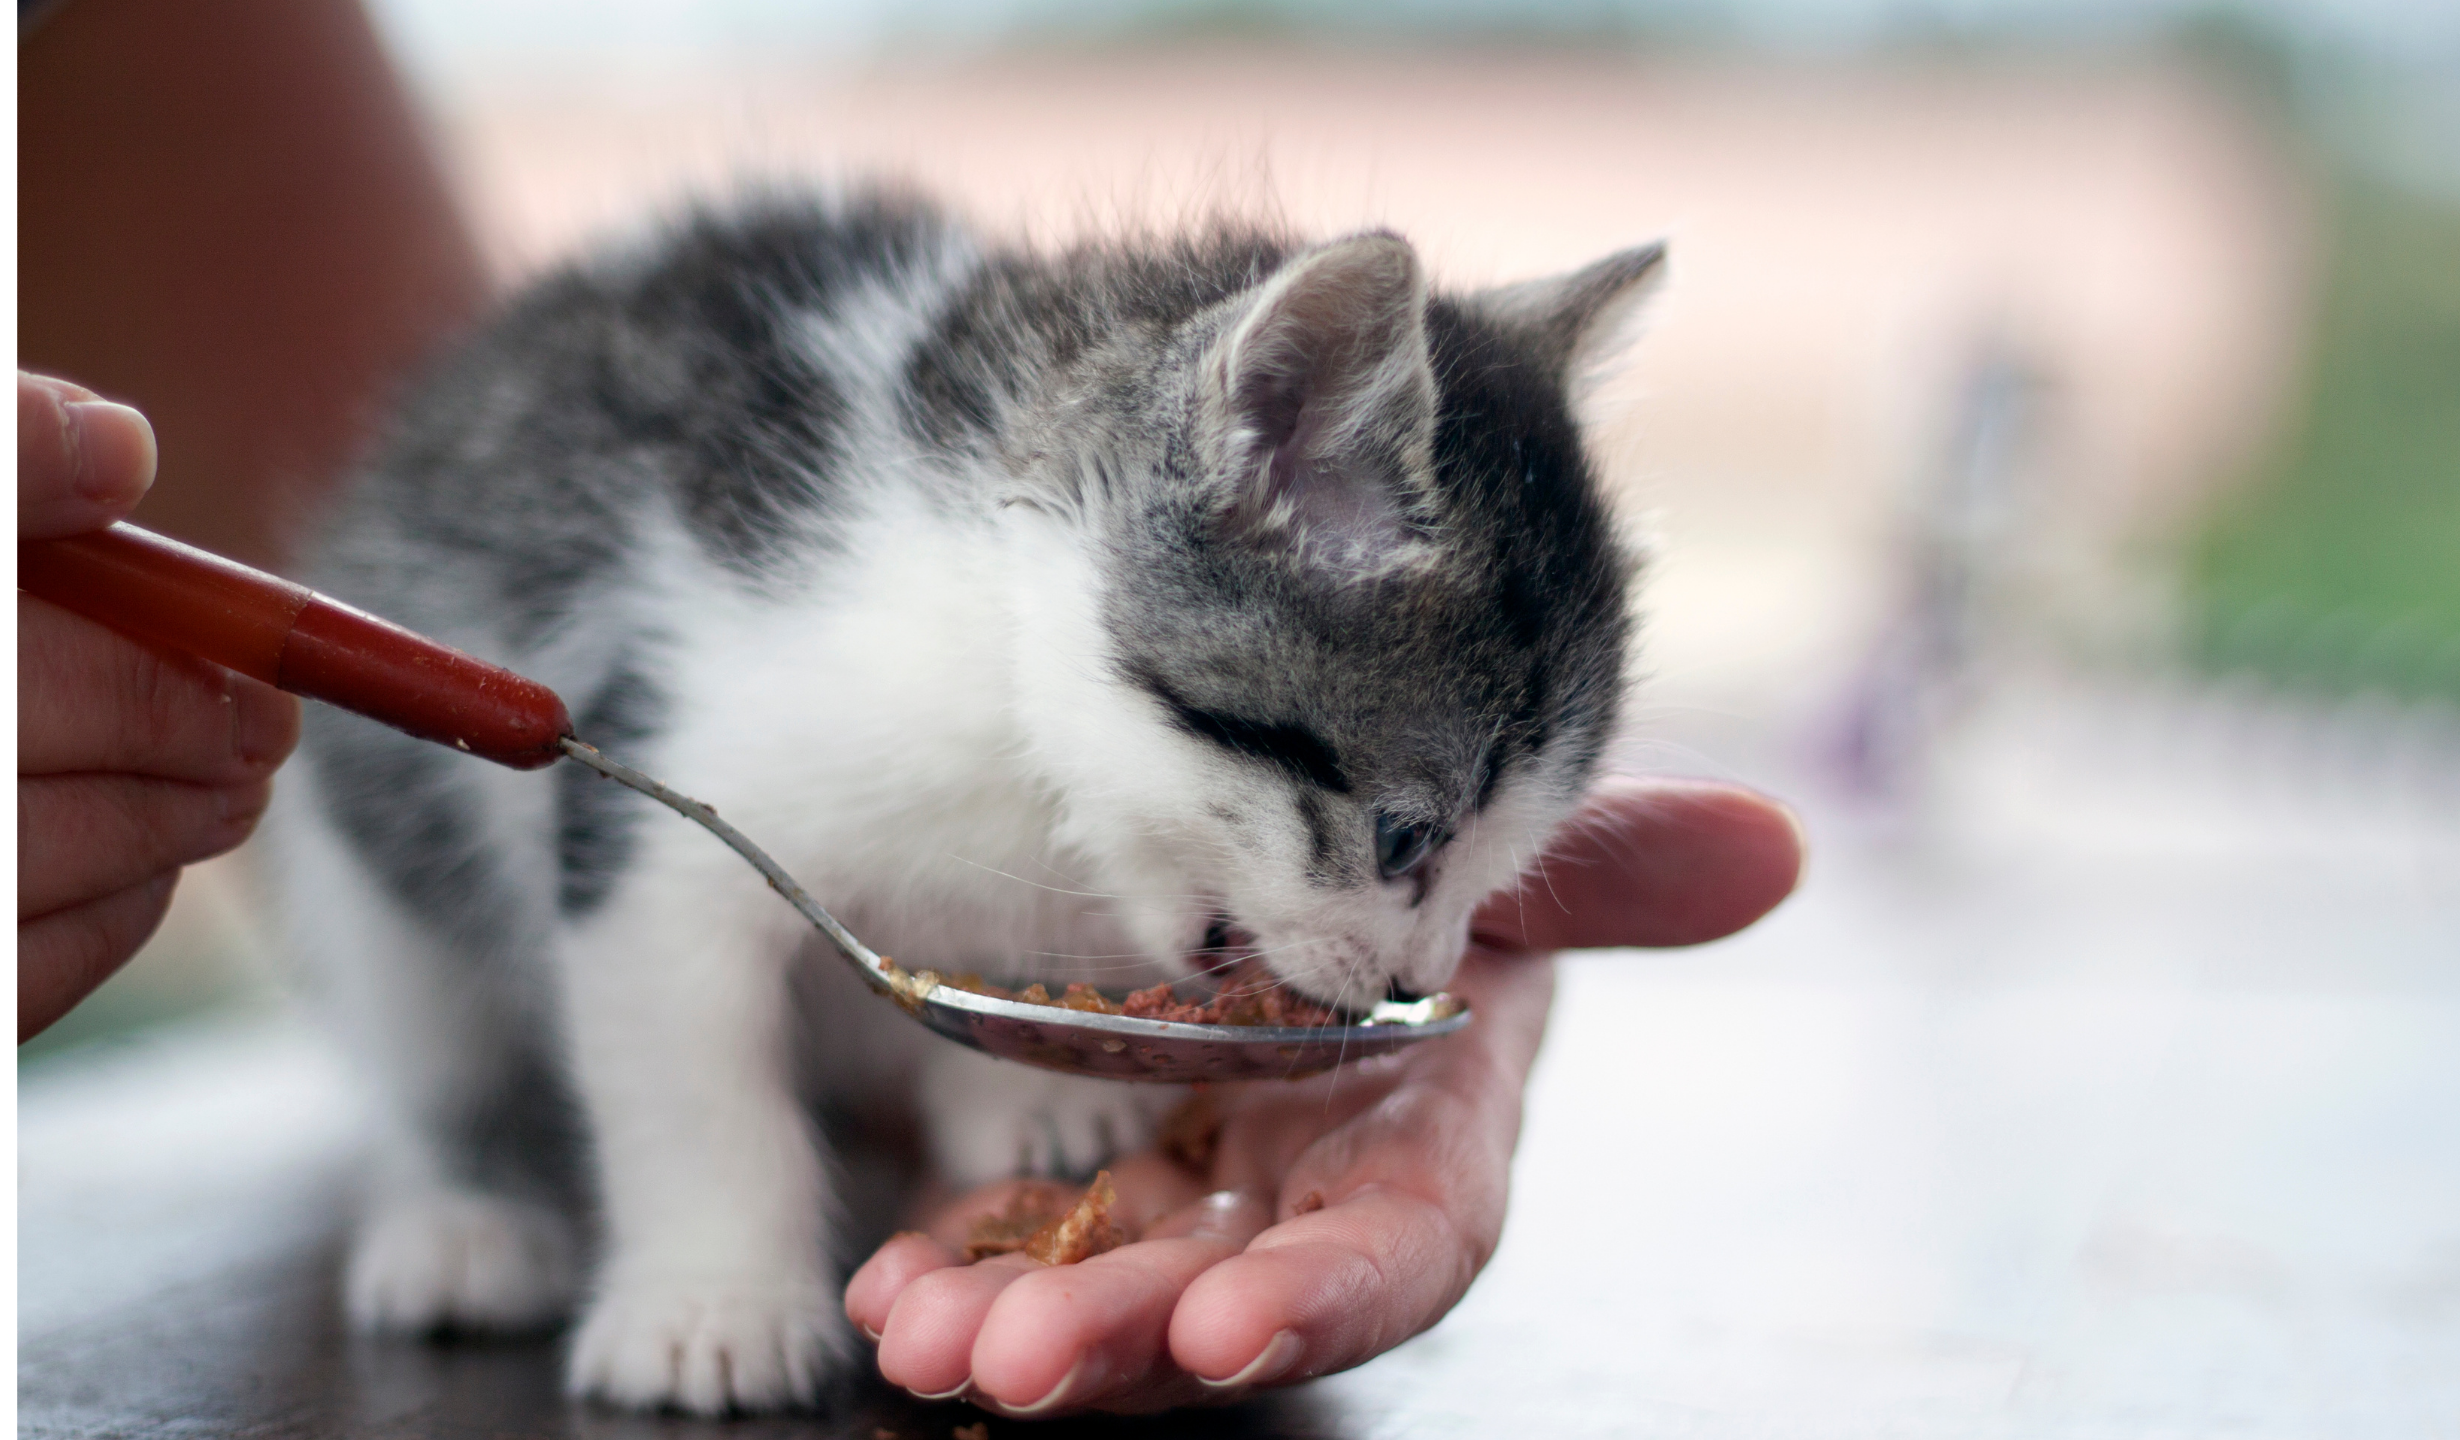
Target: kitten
x=1045 y=615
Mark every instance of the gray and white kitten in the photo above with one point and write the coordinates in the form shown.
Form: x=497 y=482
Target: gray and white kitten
x=1051 y=617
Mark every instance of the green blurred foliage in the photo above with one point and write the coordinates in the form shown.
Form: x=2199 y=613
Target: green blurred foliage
x=196 y=965
x=2339 y=567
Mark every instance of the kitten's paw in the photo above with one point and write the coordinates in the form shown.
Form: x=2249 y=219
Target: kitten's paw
x=753 y=1342
x=457 y=1260
x=989 y=1125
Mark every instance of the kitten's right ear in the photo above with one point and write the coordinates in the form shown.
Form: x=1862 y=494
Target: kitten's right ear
x=1582 y=321
x=1319 y=400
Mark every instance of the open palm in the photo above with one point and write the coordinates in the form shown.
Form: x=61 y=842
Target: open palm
x=1342 y=1214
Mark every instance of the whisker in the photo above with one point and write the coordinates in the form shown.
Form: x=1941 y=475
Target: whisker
x=1547 y=879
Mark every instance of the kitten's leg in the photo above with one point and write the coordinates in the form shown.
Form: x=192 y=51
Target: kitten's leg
x=463 y=1229
x=715 y=1292
x=990 y=1119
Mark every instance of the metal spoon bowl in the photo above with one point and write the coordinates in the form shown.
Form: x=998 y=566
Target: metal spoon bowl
x=1123 y=1047
x=1080 y=1042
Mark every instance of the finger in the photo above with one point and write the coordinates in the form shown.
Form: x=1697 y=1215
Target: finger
x=1386 y=1214
x=1094 y=1335
x=927 y=1346
x=871 y=1296
x=1400 y=1120
x=919 y=1339
x=1235 y=1215
x=82 y=461
x=64 y=955
x=1149 y=1188
x=91 y=700
x=1323 y=1292
x=82 y=837
x=908 y=1256
x=1652 y=863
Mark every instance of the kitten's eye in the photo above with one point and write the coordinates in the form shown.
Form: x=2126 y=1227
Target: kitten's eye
x=1399 y=845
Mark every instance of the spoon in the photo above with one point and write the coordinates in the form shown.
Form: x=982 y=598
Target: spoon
x=176 y=596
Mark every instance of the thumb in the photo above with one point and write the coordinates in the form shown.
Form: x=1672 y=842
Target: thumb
x=82 y=461
x=1651 y=863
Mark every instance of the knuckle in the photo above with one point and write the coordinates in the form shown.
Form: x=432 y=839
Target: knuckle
x=161 y=699
x=92 y=701
x=177 y=713
x=46 y=441
x=73 y=461
x=162 y=822
x=84 y=837
x=119 y=822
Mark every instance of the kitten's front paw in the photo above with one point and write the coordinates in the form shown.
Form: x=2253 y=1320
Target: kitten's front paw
x=447 y=1259
x=752 y=1342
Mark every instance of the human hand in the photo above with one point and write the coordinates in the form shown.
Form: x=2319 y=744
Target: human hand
x=130 y=763
x=1341 y=1215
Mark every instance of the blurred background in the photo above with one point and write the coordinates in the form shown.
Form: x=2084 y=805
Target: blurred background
x=2051 y=444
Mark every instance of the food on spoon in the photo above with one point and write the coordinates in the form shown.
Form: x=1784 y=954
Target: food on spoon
x=1249 y=995
x=1041 y=1222
x=1085 y=997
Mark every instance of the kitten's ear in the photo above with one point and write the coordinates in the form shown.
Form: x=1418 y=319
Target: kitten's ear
x=1321 y=400
x=1582 y=321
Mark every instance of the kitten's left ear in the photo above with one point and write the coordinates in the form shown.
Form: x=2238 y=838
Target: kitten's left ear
x=1583 y=321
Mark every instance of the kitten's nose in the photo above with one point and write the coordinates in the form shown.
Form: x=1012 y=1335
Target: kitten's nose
x=1400 y=994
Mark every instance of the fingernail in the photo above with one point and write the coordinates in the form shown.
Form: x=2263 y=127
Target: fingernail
x=1221 y=1217
x=241 y=805
x=962 y=1386
x=1069 y=1384
x=868 y=1333
x=114 y=449
x=1279 y=1357
x=267 y=725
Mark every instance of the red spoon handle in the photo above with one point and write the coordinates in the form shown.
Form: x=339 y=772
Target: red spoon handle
x=182 y=598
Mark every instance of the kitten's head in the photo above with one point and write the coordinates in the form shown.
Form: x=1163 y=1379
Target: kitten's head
x=1353 y=620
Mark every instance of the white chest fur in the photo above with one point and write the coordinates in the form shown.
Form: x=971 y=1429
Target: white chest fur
x=866 y=728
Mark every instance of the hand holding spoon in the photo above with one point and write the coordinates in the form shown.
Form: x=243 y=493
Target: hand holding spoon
x=176 y=596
